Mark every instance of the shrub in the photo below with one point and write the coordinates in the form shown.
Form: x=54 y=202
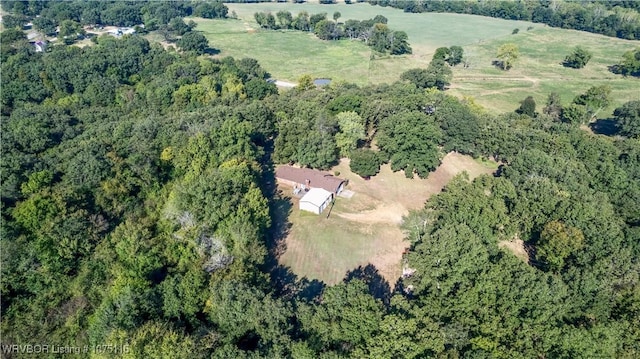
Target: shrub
x=365 y=162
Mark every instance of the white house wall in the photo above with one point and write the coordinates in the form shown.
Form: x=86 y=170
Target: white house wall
x=308 y=206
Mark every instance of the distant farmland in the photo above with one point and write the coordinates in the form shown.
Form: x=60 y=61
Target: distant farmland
x=289 y=54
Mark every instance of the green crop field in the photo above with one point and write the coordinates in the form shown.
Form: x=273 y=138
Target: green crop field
x=289 y=54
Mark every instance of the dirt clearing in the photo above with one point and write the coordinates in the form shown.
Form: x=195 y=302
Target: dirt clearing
x=365 y=229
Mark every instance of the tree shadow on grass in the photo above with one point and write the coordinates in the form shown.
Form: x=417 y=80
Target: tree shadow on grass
x=499 y=64
x=281 y=208
x=288 y=285
x=211 y=51
x=378 y=286
x=604 y=127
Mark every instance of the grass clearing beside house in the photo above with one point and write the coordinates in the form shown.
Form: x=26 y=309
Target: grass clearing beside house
x=366 y=228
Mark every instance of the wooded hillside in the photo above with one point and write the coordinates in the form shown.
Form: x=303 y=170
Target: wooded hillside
x=138 y=211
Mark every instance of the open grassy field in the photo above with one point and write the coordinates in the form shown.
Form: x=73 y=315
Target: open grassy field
x=289 y=54
x=539 y=71
x=365 y=228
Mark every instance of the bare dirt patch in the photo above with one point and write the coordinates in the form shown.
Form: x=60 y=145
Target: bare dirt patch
x=517 y=247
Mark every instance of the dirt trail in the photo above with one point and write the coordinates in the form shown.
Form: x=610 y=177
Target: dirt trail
x=286 y=84
x=385 y=213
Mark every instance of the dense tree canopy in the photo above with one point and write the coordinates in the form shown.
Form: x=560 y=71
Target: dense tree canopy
x=628 y=119
x=410 y=141
x=365 y=162
x=153 y=14
x=139 y=207
x=629 y=65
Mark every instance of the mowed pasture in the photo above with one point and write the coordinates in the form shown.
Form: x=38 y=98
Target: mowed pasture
x=365 y=229
x=289 y=54
x=539 y=70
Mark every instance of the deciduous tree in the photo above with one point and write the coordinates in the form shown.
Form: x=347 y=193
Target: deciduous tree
x=456 y=53
x=628 y=119
x=553 y=106
x=557 y=242
x=527 y=107
x=194 y=41
x=594 y=100
x=629 y=65
x=364 y=162
x=285 y=19
x=351 y=131
x=409 y=140
x=507 y=54
x=578 y=58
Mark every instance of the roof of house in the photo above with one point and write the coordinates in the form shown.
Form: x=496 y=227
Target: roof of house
x=317 y=179
x=316 y=196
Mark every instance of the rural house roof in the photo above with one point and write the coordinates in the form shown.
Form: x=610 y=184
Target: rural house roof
x=317 y=179
x=316 y=196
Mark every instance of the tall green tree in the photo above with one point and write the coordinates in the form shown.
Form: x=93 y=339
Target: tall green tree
x=595 y=99
x=347 y=318
x=70 y=30
x=578 y=58
x=409 y=140
x=553 y=106
x=557 y=242
x=194 y=41
x=437 y=74
x=456 y=53
x=399 y=43
x=527 y=107
x=45 y=24
x=351 y=131
x=378 y=39
x=364 y=162
x=628 y=119
x=285 y=19
x=629 y=65
x=326 y=30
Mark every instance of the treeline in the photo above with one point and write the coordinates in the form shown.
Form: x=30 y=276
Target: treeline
x=374 y=32
x=47 y=15
x=612 y=18
x=139 y=209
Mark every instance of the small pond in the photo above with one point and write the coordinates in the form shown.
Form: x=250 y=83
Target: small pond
x=321 y=82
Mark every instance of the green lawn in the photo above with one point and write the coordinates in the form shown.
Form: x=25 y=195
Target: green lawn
x=289 y=54
x=327 y=248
